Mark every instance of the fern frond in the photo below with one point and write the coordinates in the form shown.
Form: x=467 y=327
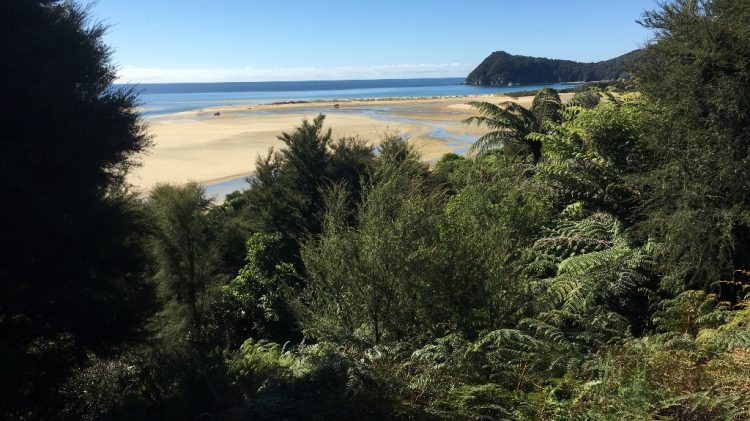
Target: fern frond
x=596 y=263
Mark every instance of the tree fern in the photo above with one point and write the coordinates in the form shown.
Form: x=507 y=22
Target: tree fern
x=510 y=123
x=690 y=312
x=586 y=272
x=735 y=333
x=590 y=153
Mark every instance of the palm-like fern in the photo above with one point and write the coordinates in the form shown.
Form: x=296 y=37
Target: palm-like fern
x=511 y=124
x=593 y=262
x=591 y=153
x=690 y=312
x=735 y=333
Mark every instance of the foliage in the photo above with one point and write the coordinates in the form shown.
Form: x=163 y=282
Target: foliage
x=253 y=304
x=72 y=268
x=604 y=278
x=695 y=183
x=593 y=261
x=679 y=373
x=588 y=98
x=363 y=279
x=512 y=124
x=256 y=363
x=592 y=154
x=285 y=194
x=180 y=248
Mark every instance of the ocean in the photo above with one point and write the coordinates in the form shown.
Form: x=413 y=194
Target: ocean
x=166 y=98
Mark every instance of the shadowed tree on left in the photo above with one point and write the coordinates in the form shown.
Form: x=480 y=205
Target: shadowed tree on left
x=71 y=259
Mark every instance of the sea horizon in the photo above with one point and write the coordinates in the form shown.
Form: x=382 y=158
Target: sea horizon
x=292 y=85
x=166 y=98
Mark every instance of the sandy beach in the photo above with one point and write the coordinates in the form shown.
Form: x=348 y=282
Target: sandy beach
x=209 y=148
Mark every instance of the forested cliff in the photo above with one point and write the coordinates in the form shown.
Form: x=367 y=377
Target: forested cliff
x=501 y=68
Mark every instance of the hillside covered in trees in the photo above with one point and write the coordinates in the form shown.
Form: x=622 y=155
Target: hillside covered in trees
x=589 y=260
x=501 y=68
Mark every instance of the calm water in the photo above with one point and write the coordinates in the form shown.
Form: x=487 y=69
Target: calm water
x=166 y=98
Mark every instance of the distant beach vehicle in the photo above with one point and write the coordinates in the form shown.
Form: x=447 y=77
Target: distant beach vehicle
x=217 y=113
x=335 y=105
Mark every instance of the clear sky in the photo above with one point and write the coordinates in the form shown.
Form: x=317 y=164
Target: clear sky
x=253 y=40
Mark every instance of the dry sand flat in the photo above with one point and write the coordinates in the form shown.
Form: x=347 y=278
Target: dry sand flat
x=201 y=146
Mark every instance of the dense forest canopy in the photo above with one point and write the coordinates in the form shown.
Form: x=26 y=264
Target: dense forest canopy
x=589 y=259
x=501 y=68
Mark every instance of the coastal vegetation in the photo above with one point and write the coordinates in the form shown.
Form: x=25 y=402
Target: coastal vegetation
x=513 y=125
x=589 y=260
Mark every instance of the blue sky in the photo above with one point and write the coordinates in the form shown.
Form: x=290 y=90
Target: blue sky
x=234 y=40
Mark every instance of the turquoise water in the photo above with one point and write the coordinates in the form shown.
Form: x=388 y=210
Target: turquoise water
x=165 y=98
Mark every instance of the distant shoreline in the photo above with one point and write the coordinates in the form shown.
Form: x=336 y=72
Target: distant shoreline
x=391 y=98
x=269 y=106
x=163 y=99
x=332 y=101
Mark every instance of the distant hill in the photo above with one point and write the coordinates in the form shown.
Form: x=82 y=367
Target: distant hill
x=501 y=68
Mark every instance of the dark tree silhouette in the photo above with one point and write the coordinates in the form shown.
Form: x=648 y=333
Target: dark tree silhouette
x=70 y=259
